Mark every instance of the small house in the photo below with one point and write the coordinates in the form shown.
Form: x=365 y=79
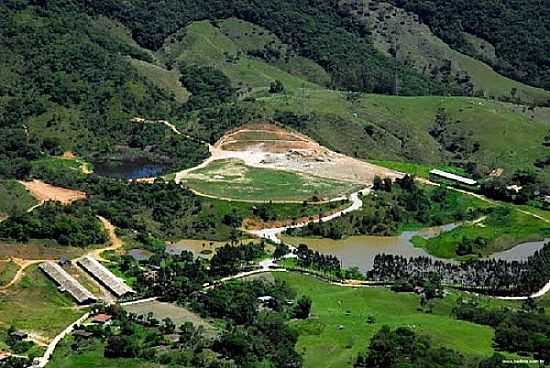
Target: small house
x=101 y=318
x=82 y=334
x=4 y=355
x=19 y=335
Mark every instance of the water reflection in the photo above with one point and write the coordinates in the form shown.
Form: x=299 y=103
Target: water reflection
x=131 y=169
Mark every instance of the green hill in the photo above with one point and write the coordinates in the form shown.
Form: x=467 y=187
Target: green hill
x=400 y=34
x=205 y=44
x=490 y=133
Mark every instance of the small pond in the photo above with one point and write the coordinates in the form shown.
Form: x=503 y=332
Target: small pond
x=129 y=169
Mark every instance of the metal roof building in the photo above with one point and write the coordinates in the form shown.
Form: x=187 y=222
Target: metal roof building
x=453 y=177
x=105 y=277
x=67 y=283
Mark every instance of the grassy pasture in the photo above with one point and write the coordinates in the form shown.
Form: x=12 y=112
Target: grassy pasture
x=38 y=249
x=231 y=179
x=92 y=357
x=324 y=344
x=203 y=43
x=14 y=198
x=167 y=80
x=35 y=305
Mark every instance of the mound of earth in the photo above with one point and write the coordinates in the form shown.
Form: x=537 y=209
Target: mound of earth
x=270 y=146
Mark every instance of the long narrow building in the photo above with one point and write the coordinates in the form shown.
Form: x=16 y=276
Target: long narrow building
x=105 y=277
x=67 y=283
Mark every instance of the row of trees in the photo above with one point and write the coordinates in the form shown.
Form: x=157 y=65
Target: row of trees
x=495 y=277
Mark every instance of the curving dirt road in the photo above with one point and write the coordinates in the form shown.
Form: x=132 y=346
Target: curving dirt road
x=23 y=264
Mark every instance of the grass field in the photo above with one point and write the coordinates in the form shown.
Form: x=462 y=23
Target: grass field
x=59 y=165
x=38 y=249
x=8 y=269
x=231 y=179
x=418 y=170
x=35 y=305
x=325 y=345
x=14 y=198
x=500 y=235
x=92 y=357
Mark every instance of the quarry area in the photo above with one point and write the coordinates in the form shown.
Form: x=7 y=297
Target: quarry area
x=265 y=145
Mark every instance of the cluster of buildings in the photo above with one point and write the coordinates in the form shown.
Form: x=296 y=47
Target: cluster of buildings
x=67 y=283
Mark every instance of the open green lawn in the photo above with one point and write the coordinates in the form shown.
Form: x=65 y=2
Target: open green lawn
x=14 y=198
x=325 y=345
x=499 y=235
x=231 y=179
x=35 y=305
x=91 y=356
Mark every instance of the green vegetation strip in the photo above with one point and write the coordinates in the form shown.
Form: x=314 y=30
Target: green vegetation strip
x=14 y=198
x=503 y=229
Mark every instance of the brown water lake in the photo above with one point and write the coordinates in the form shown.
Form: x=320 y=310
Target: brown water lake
x=359 y=251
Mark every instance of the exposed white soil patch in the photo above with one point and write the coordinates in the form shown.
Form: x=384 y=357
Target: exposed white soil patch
x=268 y=146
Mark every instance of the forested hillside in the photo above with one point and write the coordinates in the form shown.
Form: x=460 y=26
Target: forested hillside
x=76 y=73
x=518 y=29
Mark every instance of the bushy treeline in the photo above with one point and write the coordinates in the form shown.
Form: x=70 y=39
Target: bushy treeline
x=495 y=277
x=524 y=332
x=390 y=207
x=517 y=28
x=312 y=259
x=74 y=225
x=230 y=259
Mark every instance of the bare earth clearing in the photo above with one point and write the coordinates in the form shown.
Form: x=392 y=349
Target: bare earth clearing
x=47 y=192
x=268 y=146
